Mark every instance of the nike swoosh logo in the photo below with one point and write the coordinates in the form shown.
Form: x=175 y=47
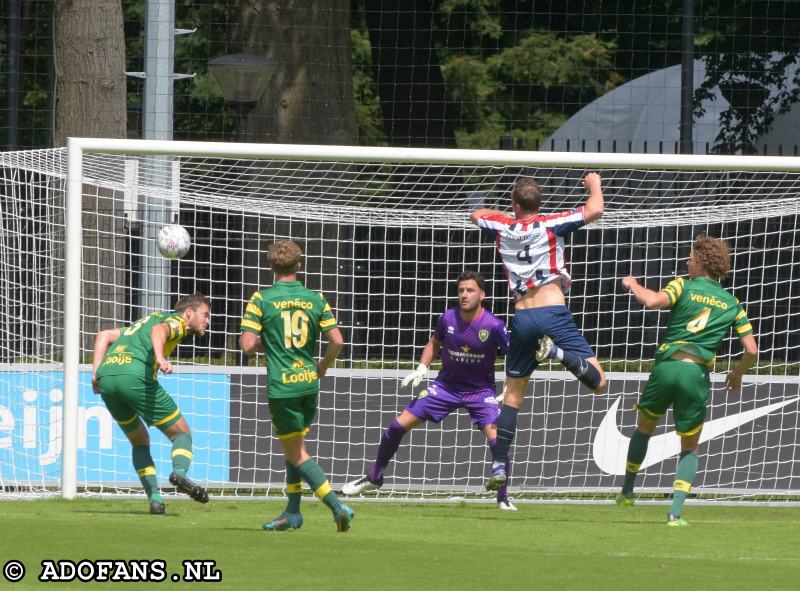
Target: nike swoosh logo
x=610 y=448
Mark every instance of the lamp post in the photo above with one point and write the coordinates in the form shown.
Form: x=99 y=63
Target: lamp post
x=242 y=78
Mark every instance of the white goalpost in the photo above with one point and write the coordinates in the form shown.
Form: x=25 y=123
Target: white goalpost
x=385 y=232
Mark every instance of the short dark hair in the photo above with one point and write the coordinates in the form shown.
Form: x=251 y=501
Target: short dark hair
x=472 y=276
x=283 y=256
x=192 y=301
x=527 y=194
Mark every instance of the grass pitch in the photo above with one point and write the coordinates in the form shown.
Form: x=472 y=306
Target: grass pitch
x=410 y=546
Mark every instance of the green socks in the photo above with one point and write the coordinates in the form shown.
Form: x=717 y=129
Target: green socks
x=637 y=450
x=684 y=477
x=293 y=484
x=316 y=479
x=181 y=453
x=146 y=470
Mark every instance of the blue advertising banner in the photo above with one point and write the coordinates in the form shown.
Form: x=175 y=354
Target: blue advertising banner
x=31 y=408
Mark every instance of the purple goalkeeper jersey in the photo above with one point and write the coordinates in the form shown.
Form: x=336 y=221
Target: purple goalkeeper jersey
x=469 y=349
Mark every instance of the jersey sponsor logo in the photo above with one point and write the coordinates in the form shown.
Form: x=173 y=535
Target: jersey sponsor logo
x=303 y=377
x=708 y=300
x=610 y=447
x=286 y=304
x=298 y=364
x=451 y=330
x=118 y=359
x=466 y=356
x=483 y=335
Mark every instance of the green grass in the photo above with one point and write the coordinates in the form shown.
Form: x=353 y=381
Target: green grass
x=417 y=546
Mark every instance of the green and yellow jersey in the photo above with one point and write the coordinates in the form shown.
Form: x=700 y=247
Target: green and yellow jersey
x=289 y=318
x=702 y=314
x=132 y=353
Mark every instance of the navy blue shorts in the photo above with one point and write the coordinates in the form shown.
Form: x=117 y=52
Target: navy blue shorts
x=528 y=326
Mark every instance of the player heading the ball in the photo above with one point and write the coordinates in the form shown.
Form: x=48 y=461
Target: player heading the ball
x=531 y=246
x=469 y=337
x=284 y=322
x=702 y=314
x=126 y=377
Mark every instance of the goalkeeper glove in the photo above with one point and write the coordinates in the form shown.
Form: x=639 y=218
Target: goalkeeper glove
x=416 y=376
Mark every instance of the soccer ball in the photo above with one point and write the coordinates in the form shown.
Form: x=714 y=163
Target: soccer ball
x=173 y=241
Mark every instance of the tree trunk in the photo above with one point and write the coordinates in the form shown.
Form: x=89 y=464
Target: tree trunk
x=310 y=97
x=308 y=101
x=90 y=70
x=90 y=102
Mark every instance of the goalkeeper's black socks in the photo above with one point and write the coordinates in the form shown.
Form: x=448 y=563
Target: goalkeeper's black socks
x=637 y=450
x=586 y=373
x=506 y=429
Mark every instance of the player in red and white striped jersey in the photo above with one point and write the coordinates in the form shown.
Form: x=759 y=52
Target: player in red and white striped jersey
x=531 y=246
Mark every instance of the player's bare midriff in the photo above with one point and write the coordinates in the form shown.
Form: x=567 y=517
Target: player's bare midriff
x=549 y=294
x=683 y=356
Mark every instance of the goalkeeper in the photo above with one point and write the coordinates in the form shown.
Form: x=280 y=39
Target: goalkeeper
x=702 y=314
x=468 y=337
x=126 y=379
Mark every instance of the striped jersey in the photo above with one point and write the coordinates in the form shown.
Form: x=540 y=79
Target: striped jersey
x=132 y=353
x=702 y=313
x=289 y=318
x=532 y=249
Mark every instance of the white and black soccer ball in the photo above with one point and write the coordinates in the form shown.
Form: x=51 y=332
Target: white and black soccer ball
x=173 y=241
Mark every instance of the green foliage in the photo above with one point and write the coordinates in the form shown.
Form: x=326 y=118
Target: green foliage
x=368 y=107
x=199 y=110
x=514 y=69
x=480 y=16
x=523 y=90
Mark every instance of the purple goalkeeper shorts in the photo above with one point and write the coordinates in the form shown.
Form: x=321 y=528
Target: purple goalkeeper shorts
x=436 y=402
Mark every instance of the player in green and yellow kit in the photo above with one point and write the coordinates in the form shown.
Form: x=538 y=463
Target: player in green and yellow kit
x=126 y=377
x=284 y=322
x=702 y=314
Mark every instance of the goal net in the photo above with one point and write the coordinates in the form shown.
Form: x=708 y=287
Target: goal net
x=385 y=233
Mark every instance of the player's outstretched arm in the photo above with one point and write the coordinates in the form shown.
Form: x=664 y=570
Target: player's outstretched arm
x=652 y=300
x=734 y=379
x=158 y=336
x=102 y=341
x=428 y=354
x=595 y=204
x=332 y=350
x=474 y=216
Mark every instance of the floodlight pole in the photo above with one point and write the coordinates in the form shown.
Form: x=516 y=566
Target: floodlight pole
x=687 y=79
x=155 y=211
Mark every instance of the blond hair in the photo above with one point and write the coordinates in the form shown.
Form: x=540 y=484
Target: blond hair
x=283 y=256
